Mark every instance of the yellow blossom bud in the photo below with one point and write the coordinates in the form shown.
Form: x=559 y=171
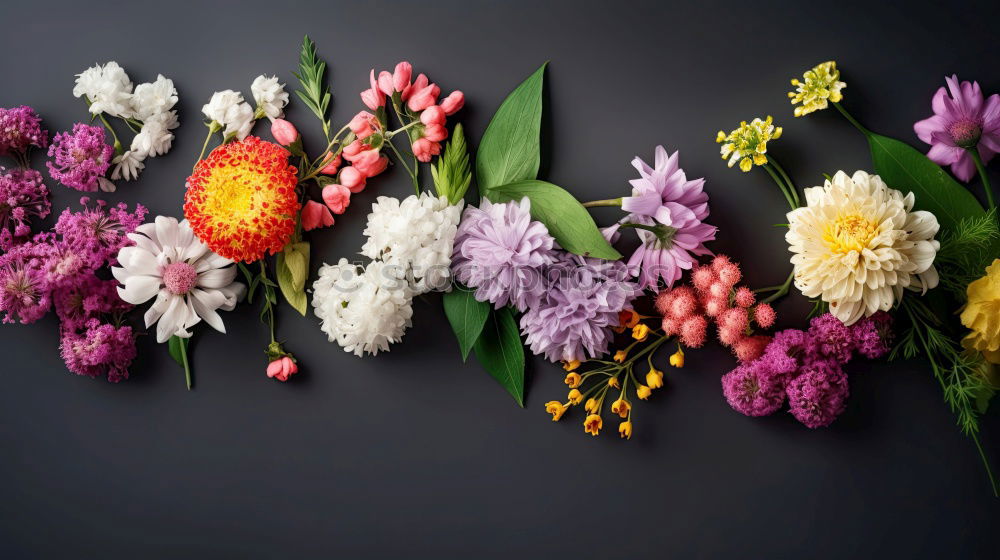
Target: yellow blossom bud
x=747 y=145
x=640 y=332
x=573 y=380
x=593 y=424
x=625 y=429
x=643 y=392
x=621 y=407
x=613 y=382
x=677 y=358
x=556 y=409
x=822 y=85
x=591 y=406
x=620 y=356
x=571 y=365
x=654 y=378
x=575 y=396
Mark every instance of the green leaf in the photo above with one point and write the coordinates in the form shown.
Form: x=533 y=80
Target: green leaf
x=452 y=174
x=466 y=315
x=177 y=347
x=311 y=69
x=293 y=267
x=903 y=168
x=567 y=220
x=500 y=351
x=509 y=149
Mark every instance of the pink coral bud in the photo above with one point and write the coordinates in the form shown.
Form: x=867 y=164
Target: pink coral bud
x=337 y=198
x=749 y=348
x=702 y=277
x=452 y=103
x=424 y=98
x=435 y=132
x=715 y=306
x=433 y=115
x=282 y=368
x=735 y=317
x=315 y=215
x=363 y=124
x=424 y=149
x=745 y=297
x=353 y=179
x=684 y=303
x=330 y=164
x=417 y=85
x=730 y=335
x=718 y=290
x=671 y=326
x=284 y=132
x=720 y=261
x=385 y=82
x=663 y=300
x=764 y=315
x=370 y=163
x=693 y=331
x=401 y=76
x=352 y=150
x=728 y=271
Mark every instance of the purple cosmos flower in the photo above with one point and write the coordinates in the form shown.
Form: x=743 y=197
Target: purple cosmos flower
x=667 y=210
x=500 y=251
x=80 y=159
x=578 y=307
x=962 y=120
x=22 y=196
x=819 y=394
x=20 y=128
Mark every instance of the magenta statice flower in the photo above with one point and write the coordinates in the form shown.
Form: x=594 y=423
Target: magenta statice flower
x=962 y=120
x=754 y=388
x=87 y=298
x=99 y=349
x=580 y=303
x=23 y=196
x=97 y=233
x=667 y=211
x=500 y=251
x=819 y=394
x=21 y=128
x=831 y=338
x=80 y=160
x=24 y=293
x=873 y=335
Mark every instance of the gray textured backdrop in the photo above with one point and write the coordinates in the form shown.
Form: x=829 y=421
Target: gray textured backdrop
x=413 y=453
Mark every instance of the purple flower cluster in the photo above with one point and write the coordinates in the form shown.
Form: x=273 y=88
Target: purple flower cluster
x=80 y=160
x=22 y=196
x=59 y=269
x=806 y=368
x=21 y=128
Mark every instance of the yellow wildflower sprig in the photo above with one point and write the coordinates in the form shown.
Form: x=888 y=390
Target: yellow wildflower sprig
x=819 y=86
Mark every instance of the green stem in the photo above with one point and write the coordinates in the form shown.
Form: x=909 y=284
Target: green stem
x=606 y=202
x=412 y=173
x=392 y=133
x=185 y=363
x=986 y=463
x=267 y=300
x=779 y=291
x=788 y=181
x=982 y=176
x=204 y=146
x=781 y=185
x=851 y=119
x=118 y=144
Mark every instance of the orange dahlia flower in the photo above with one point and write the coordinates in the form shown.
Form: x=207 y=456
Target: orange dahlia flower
x=241 y=199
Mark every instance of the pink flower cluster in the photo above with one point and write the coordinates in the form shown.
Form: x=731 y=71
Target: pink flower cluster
x=20 y=129
x=806 y=369
x=713 y=297
x=23 y=196
x=80 y=160
x=59 y=269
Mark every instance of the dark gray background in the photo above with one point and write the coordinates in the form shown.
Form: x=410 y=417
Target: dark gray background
x=412 y=453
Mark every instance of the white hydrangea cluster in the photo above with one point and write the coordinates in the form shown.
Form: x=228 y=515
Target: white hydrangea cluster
x=410 y=242
x=228 y=111
x=150 y=106
x=417 y=236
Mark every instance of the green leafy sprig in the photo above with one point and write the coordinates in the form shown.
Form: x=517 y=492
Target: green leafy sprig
x=314 y=93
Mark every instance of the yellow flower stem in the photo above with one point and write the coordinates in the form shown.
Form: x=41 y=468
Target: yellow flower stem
x=851 y=119
x=974 y=152
x=788 y=180
x=781 y=185
x=607 y=202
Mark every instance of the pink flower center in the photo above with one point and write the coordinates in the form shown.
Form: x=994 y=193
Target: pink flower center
x=179 y=278
x=965 y=133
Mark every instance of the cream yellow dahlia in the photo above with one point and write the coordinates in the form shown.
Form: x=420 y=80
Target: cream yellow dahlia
x=982 y=314
x=857 y=243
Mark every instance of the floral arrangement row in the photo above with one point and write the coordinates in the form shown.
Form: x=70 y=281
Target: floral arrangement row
x=900 y=261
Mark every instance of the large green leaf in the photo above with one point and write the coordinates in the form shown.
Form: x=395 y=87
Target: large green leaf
x=509 y=149
x=568 y=221
x=500 y=351
x=467 y=316
x=293 y=267
x=903 y=168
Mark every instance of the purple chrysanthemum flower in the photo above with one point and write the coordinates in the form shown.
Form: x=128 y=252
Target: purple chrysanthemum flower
x=580 y=303
x=819 y=394
x=754 y=389
x=500 y=251
x=97 y=234
x=669 y=211
x=22 y=196
x=20 y=128
x=24 y=293
x=80 y=160
x=98 y=350
x=962 y=120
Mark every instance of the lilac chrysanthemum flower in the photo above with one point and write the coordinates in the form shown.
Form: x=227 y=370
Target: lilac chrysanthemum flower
x=80 y=159
x=500 y=252
x=819 y=394
x=20 y=128
x=962 y=121
x=22 y=196
x=669 y=211
x=755 y=388
x=578 y=308
x=99 y=350
x=25 y=296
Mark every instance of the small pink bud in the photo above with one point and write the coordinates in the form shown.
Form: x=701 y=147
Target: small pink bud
x=337 y=198
x=282 y=368
x=425 y=149
x=385 y=82
x=284 y=132
x=401 y=76
x=353 y=179
x=452 y=103
x=424 y=98
x=363 y=124
x=417 y=85
x=315 y=215
x=764 y=315
x=433 y=115
x=330 y=164
x=369 y=162
x=693 y=331
x=435 y=133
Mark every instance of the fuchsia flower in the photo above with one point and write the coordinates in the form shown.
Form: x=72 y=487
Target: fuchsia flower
x=316 y=215
x=80 y=160
x=21 y=128
x=962 y=120
x=23 y=196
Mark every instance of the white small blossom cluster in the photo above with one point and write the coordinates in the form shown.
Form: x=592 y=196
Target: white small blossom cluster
x=364 y=309
x=148 y=106
x=227 y=111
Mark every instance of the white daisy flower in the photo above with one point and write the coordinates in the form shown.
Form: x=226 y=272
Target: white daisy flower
x=108 y=88
x=270 y=96
x=189 y=281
